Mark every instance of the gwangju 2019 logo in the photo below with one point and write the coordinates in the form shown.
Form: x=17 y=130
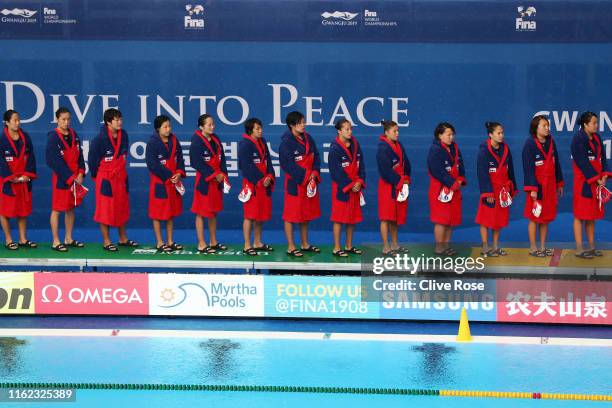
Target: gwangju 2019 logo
x=339 y=18
x=194 y=17
x=18 y=15
x=525 y=20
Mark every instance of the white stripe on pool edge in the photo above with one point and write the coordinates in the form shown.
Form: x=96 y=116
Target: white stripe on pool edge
x=215 y=334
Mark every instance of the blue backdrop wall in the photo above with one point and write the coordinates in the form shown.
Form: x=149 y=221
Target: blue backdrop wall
x=416 y=62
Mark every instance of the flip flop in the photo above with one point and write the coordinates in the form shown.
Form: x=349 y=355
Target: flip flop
x=538 y=254
x=250 y=252
x=353 y=250
x=207 y=250
x=164 y=248
x=59 y=248
x=584 y=255
x=12 y=246
x=74 y=244
x=110 y=248
x=219 y=247
x=129 y=243
x=264 y=247
x=295 y=253
x=340 y=253
x=501 y=252
x=28 y=244
x=595 y=252
x=175 y=247
x=311 y=248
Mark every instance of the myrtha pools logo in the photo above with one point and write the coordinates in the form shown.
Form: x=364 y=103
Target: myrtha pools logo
x=194 y=16
x=524 y=21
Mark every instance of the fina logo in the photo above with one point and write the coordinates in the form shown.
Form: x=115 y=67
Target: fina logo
x=523 y=22
x=190 y=20
x=25 y=13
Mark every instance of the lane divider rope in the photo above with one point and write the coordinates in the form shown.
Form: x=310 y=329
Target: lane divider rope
x=308 y=389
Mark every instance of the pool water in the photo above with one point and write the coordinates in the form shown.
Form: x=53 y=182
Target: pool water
x=383 y=364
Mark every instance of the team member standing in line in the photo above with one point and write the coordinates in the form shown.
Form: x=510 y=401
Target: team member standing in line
x=207 y=157
x=164 y=157
x=394 y=169
x=299 y=159
x=347 y=171
x=255 y=164
x=497 y=187
x=64 y=155
x=446 y=178
x=17 y=170
x=590 y=176
x=543 y=183
x=107 y=163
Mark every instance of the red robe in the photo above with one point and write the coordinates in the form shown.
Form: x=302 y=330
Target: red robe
x=210 y=204
x=19 y=202
x=348 y=209
x=495 y=216
x=546 y=178
x=448 y=214
x=66 y=199
x=394 y=168
x=256 y=167
x=114 y=209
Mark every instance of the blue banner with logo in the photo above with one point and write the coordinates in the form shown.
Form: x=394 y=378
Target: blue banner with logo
x=417 y=63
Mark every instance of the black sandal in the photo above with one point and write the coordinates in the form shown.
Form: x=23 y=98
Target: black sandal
x=353 y=250
x=340 y=253
x=311 y=248
x=11 y=246
x=164 y=248
x=250 y=251
x=28 y=244
x=59 y=248
x=175 y=247
x=207 y=250
x=449 y=252
x=74 y=244
x=295 y=253
x=584 y=255
x=501 y=252
x=219 y=247
x=110 y=248
x=129 y=243
x=391 y=252
x=264 y=247
x=403 y=250
x=489 y=254
x=548 y=251
x=538 y=254
x=595 y=252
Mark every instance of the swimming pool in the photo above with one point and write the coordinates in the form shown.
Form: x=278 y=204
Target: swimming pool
x=312 y=360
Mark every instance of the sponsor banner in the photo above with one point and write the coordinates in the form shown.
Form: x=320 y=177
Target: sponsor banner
x=16 y=293
x=92 y=293
x=429 y=304
x=554 y=301
x=206 y=295
x=317 y=297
